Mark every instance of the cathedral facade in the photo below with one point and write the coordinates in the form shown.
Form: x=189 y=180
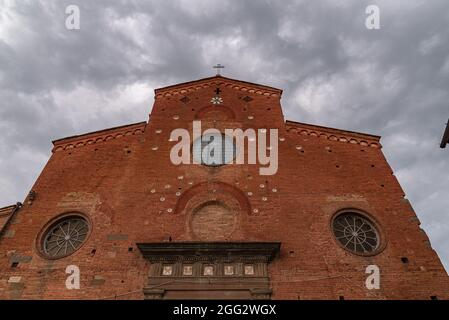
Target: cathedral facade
x=112 y=216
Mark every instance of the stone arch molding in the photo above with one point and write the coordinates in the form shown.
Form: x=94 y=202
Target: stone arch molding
x=213 y=211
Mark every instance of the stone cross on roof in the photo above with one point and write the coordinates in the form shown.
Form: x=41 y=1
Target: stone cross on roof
x=218 y=67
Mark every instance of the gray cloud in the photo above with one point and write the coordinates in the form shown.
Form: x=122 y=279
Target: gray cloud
x=393 y=82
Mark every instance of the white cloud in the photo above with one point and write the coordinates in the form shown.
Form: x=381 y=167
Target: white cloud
x=86 y=105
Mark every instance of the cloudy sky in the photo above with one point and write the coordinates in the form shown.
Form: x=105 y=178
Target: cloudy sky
x=335 y=72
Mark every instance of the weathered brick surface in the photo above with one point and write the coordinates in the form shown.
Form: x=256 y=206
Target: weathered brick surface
x=123 y=181
x=5 y=214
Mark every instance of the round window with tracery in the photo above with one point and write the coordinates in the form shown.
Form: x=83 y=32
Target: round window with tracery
x=65 y=236
x=356 y=233
x=214 y=149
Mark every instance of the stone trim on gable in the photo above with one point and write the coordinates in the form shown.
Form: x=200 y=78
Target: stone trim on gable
x=192 y=86
x=98 y=136
x=333 y=134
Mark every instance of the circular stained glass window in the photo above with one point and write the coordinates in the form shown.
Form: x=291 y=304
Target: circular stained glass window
x=214 y=149
x=65 y=236
x=356 y=233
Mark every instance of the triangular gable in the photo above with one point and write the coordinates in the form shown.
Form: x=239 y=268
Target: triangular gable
x=191 y=86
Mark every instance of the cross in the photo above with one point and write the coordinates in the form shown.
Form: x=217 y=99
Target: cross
x=217 y=91
x=218 y=67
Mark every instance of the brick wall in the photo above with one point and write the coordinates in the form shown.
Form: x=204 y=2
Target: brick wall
x=122 y=180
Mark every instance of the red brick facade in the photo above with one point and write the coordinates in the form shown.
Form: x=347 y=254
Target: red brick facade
x=5 y=216
x=124 y=184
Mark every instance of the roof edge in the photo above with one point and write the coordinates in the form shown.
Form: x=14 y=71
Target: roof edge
x=96 y=133
x=334 y=130
x=217 y=78
x=7 y=210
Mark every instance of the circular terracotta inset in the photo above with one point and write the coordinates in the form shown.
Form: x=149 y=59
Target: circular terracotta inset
x=213 y=221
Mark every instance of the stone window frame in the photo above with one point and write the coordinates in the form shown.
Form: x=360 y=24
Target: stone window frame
x=225 y=137
x=39 y=243
x=380 y=231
